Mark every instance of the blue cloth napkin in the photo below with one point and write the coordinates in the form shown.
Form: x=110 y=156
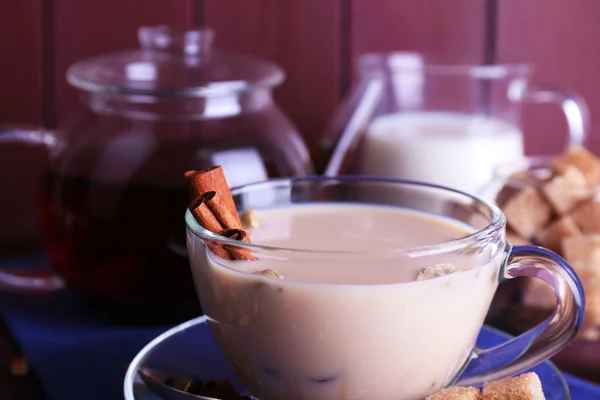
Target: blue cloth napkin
x=74 y=355
x=77 y=355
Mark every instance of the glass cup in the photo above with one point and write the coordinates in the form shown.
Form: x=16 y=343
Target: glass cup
x=290 y=340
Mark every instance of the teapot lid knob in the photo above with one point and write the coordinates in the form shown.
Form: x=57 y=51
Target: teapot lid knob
x=195 y=41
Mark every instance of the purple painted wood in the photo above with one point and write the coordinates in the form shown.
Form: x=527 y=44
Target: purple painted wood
x=560 y=39
x=448 y=29
x=304 y=37
x=87 y=28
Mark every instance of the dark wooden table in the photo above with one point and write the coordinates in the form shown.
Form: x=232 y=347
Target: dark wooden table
x=15 y=387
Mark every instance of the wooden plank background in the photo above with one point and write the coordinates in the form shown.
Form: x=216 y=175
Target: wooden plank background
x=304 y=37
x=561 y=39
x=45 y=38
x=453 y=29
x=103 y=27
x=316 y=43
x=22 y=27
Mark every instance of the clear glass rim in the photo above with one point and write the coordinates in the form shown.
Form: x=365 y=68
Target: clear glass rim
x=423 y=63
x=496 y=223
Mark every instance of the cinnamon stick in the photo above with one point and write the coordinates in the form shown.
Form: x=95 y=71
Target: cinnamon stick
x=214 y=209
x=221 y=251
x=210 y=212
x=212 y=179
x=207 y=220
x=204 y=215
x=216 y=204
x=239 y=253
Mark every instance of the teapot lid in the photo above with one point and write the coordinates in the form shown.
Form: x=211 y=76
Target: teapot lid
x=173 y=62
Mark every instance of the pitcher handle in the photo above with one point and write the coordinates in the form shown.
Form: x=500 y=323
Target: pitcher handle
x=545 y=340
x=37 y=281
x=573 y=107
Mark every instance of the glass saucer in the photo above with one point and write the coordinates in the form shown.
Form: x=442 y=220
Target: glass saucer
x=189 y=349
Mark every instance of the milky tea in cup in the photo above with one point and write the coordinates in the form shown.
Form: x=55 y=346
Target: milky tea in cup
x=340 y=324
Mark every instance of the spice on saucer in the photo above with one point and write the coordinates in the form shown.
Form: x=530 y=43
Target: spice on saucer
x=435 y=271
x=179 y=382
x=213 y=208
x=221 y=389
x=249 y=219
x=194 y=386
x=271 y=273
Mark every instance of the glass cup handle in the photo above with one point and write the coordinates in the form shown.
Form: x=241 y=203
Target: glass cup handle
x=573 y=107
x=545 y=340
x=42 y=281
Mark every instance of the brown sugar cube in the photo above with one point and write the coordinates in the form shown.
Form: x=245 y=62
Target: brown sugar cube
x=567 y=190
x=520 y=180
x=590 y=281
x=526 y=178
x=553 y=234
x=582 y=159
x=538 y=295
x=524 y=387
x=588 y=334
x=514 y=239
x=506 y=194
x=582 y=252
x=456 y=393
x=587 y=216
x=527 y=212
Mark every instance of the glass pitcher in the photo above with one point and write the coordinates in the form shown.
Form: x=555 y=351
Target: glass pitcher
x=113 y=195
x=413 y=118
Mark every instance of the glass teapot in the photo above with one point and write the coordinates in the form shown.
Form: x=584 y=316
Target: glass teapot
x=416 y=118
x=113 y=195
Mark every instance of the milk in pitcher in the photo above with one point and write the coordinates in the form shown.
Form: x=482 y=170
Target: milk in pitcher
x=450 y=149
